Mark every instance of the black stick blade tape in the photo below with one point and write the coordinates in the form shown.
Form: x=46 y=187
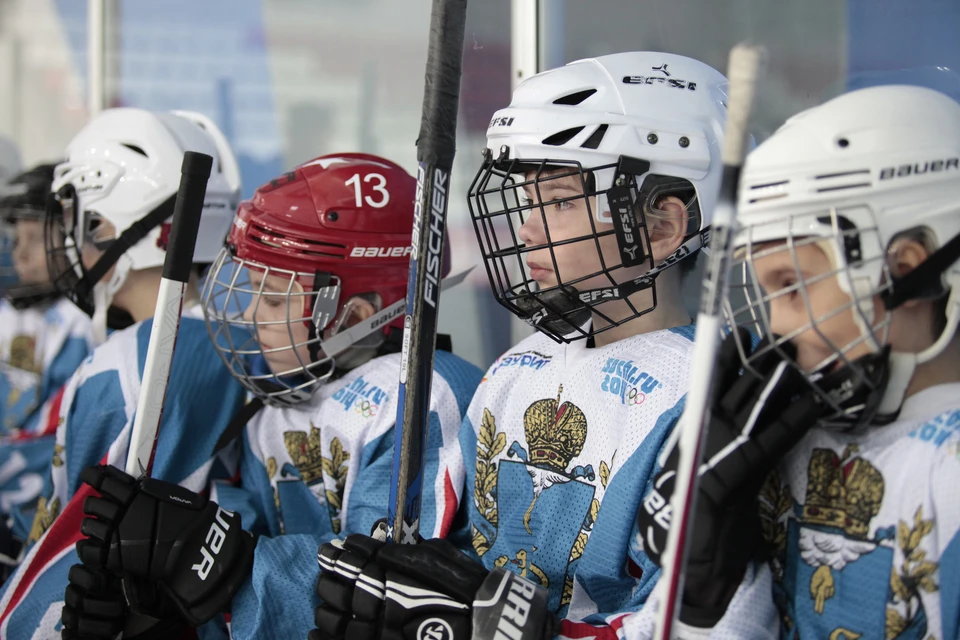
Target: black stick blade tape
x=194 y=173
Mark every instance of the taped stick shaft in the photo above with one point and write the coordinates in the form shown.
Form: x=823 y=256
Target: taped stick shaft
x=195 y=172
x=744 y=69
x=436 y=147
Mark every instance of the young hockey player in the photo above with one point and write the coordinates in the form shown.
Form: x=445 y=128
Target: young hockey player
x=312 y=283
x=43 y=337
x=117 y=189
x=848 y=240
x=599 y=177
x=863 y=514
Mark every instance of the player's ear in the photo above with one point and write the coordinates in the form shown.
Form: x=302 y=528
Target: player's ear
x=903 y=256
x=668 y=226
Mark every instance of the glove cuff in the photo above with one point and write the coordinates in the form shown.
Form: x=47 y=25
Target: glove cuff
x=510 y=606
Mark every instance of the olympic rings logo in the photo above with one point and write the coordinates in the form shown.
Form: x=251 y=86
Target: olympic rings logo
x=635 y=397
x=366 y=408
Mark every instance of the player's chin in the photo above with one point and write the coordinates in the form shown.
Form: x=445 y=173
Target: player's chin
x=817 y=363
x=284 y=365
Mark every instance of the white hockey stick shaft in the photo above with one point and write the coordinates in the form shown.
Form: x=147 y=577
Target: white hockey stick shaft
x=744 y=69
x=177 y=266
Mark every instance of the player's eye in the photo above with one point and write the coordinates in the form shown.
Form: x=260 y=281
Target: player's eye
x=788 y=287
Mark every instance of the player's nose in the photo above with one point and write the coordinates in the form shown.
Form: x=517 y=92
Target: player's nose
x=531 y=231
x=250 y=312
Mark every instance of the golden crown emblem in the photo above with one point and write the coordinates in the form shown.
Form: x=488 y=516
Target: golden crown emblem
x=555 y=432
x=843 y=494
x=306 y=453
x=23 y=354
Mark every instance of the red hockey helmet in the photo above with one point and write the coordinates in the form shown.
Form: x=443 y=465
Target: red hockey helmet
x=333 y=229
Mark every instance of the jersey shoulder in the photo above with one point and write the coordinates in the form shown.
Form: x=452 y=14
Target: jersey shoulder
x=112 y=354
x=65 y=313
x=462 y=377
x=533 y=352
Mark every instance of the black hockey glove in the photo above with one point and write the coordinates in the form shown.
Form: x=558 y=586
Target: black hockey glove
x=177 y=552
x=754 y=421
x=372 y=591
x=94 y=606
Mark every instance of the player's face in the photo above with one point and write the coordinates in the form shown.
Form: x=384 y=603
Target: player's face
x=29 y=254
x=565 y=220
x=817 y=316
x=281 y=330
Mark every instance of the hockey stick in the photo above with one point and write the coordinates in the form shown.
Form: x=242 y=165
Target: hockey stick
x=744 y=68
x=435 y=150
x=194 y=173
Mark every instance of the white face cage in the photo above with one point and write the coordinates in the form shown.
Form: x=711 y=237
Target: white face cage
x=261 y=323
x=780 y=300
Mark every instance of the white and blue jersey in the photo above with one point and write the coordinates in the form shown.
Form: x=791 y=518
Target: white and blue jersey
x=40 y=348
x=322 y=469
x=96 y=416
x=559 y=444
x=865 y=527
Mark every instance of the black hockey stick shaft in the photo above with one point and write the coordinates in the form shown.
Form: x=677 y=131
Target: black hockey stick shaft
x=194 y=173
x=436 y=147
x=744 y=68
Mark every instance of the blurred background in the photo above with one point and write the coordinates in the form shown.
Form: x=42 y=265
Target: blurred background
x=288 y=80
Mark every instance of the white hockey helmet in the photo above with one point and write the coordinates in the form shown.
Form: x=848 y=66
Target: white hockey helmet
x=124 y=168
x=851 y=176
x=639 y=125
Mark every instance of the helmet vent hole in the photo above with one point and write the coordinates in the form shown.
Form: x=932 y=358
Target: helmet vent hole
x=843 y=143
x=593 y=142
x=135 y=149
x=573 y=99
x=856 y=179
x=562 y=137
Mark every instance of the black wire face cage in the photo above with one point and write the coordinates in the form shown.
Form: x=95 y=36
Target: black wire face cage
x=237 y=310
x=67 y=272
x=573 y=275
x=850 y=386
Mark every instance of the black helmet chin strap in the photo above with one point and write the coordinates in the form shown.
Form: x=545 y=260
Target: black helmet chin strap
x=130 y=236
x=924 y=281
